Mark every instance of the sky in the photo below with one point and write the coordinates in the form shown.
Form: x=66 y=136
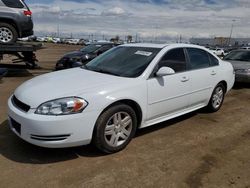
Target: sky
x=144 y=18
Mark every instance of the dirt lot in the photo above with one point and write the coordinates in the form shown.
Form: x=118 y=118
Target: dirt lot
x=196 y=150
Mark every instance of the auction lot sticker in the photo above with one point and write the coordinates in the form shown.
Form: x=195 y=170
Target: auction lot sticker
x=144 y=53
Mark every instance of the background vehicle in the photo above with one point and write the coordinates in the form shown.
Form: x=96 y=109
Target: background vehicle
x=240 y=60
x=83 y=56
x=40 y=39
x=129 y=87
x=74 y=41
x=245 y=48
x=15 y=20
x=56 y=40
x=218 y=51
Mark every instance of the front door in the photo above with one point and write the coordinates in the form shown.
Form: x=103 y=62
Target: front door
x=169 y=94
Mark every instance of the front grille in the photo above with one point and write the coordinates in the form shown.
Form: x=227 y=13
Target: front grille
x=16 y=125
x=50 y=137
x=22 y=106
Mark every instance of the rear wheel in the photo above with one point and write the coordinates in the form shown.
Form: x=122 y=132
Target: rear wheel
x=217 y=98
x=115 y=128
x=8 y=33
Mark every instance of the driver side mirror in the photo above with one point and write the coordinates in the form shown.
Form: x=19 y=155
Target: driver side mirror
x=164 y=71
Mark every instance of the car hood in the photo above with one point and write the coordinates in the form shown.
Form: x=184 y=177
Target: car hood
x=66 y=83
x=240 y=64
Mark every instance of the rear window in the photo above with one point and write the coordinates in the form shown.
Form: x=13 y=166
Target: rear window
x=13 y=3
x=213 y=60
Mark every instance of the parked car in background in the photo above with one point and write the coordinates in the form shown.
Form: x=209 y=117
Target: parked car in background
x=240 y=60
x=74 y=41
x=56 y=40
x=83 y=56
x=218 y=51
x=15 y=20
x=40 y=39
x=128 y=87
x=245 y=48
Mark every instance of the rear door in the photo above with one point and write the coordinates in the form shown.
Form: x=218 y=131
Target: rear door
x=203 y=68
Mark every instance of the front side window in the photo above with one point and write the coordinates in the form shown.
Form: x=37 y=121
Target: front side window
x=198 y=58
x=123 y=61
x=13 y=3
x=174 y=59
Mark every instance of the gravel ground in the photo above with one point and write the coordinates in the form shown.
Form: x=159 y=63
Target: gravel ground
x=195 y=150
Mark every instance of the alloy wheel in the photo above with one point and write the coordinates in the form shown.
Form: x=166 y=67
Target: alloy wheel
x=217 y=97
x=6 y=35
x=118 y=129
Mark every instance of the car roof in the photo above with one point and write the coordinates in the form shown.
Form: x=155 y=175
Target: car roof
x=152 y=45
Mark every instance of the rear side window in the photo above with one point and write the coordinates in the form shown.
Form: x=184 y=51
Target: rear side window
x=213 y=60
x=13 y=3
x=198 y=58
x=174 y=59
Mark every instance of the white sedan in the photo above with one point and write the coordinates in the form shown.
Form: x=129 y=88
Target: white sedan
x=129 y=87
x=218 y=51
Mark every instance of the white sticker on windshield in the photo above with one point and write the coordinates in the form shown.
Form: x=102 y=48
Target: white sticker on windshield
x=144 y=53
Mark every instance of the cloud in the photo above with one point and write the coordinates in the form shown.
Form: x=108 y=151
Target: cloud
x=146 y=18
x=116 y=11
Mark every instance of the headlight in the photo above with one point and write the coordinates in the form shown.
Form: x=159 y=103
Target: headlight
x=64 y=106
x=87 y=56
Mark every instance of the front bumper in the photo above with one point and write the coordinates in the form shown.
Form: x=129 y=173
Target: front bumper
x=52 y=131
x=242 y=77
x=63 y=63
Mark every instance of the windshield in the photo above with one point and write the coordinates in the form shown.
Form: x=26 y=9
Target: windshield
x=123 y=61
x=91 y=48
x=238 y=56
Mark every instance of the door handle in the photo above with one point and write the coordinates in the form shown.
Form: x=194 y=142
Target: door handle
x=184 y=79
x=213 y=73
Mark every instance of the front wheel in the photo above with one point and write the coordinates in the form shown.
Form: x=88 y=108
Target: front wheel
x=115 y=128
x=217 y=98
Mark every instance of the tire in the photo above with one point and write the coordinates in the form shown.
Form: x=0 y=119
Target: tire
x=115 y=128
x=217 y=98
x=8 y=33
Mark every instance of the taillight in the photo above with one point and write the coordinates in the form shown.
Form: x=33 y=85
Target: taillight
x=27 y=13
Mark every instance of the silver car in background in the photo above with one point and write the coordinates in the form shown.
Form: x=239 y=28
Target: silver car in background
x=240 y=59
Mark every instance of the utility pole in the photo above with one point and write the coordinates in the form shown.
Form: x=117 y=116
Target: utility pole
x=58 y=30
x=180 y=41
x=231 y=32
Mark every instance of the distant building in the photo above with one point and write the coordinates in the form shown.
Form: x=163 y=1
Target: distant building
x=221 y=41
